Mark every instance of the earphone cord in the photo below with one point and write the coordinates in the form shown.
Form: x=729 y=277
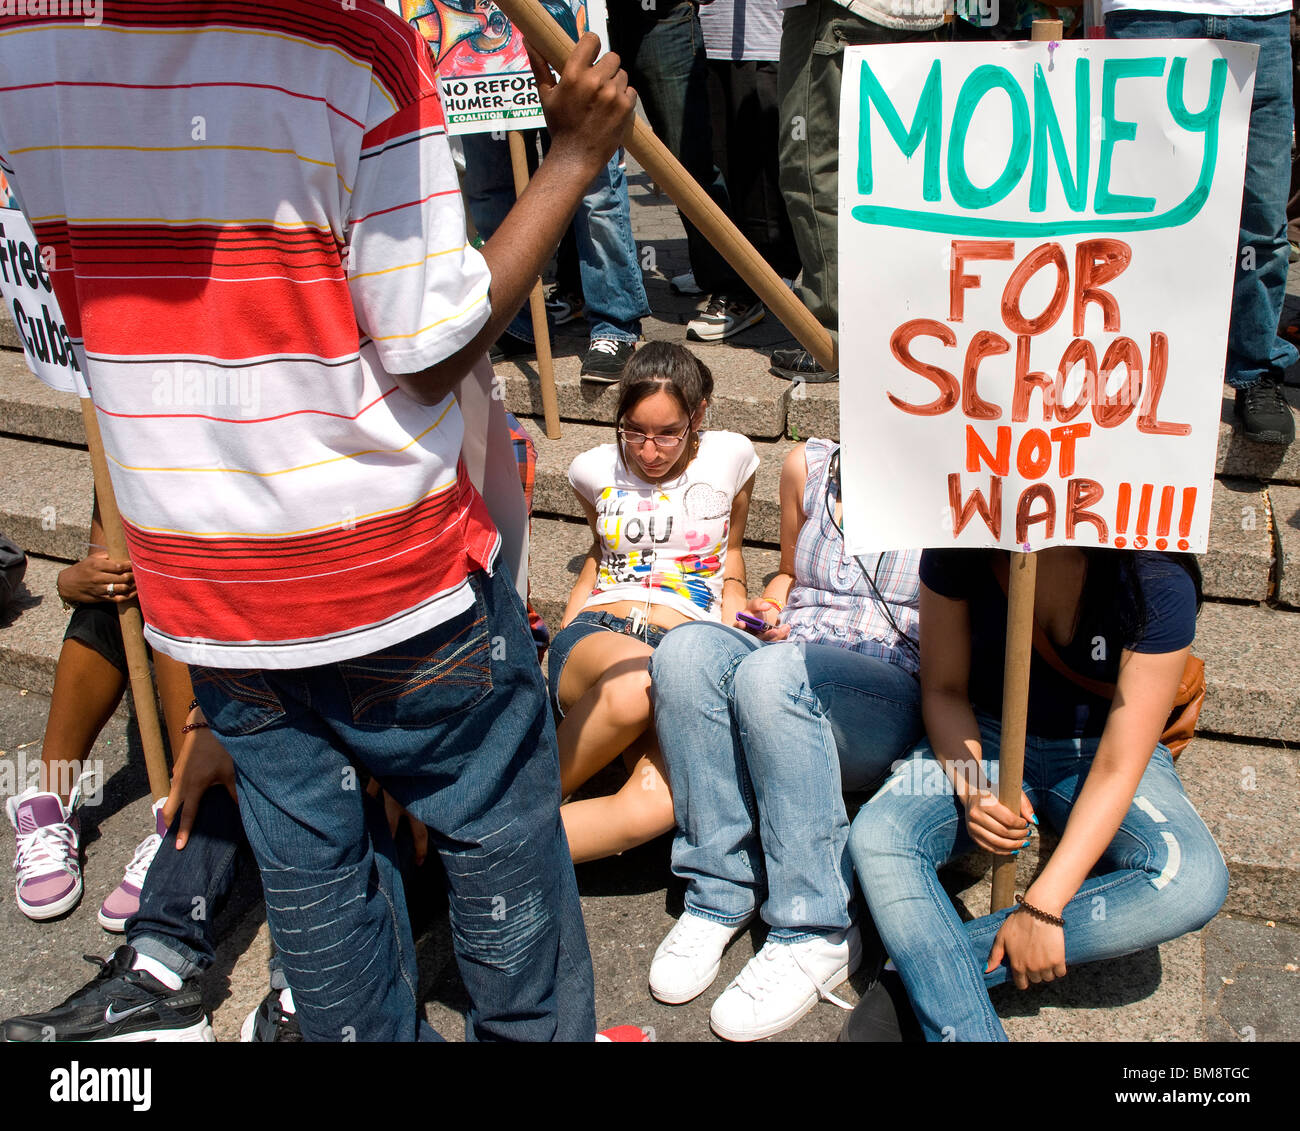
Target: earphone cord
x=833 y=476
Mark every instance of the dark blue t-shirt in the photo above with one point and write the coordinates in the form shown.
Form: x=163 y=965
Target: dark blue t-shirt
x=1153 y=610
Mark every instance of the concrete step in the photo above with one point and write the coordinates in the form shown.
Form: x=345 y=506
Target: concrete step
x=552 y=494
x=30 y=408
x=1247 y=795
x=558 y=548
x=47 y=496
x=746 y=397
x=31 y=630
x=1252 y=671
x=1286 y=522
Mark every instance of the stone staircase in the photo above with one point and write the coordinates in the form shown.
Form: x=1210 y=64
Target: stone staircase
x=1241 y=771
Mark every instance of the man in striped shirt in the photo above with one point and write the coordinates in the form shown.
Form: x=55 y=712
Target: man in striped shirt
x=255 y=204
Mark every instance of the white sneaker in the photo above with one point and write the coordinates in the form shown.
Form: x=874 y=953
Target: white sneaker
x=687 y=960
x=782 y=982
x=723 y=317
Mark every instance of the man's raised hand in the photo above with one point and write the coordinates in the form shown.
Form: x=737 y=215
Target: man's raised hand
x=589 y=111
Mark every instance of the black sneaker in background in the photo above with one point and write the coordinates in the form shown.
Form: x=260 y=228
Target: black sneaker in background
x=800 y=365
x=884 y=1015
x=510 y=345
x=606 y=358
x=119 y=1004
x=271 y=1021
x=1263 y=412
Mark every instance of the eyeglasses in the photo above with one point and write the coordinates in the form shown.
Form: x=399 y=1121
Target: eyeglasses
x=663 y=443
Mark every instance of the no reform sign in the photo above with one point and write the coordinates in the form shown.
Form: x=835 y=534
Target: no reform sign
x=1037 y=251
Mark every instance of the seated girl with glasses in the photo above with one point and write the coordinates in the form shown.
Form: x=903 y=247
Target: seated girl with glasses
x=667 y=504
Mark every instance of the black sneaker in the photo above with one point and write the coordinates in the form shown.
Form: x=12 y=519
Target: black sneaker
x=119 y=1004
x=564 y=308
x=510 y=345
x=1263 y=412
x=800 y=365
x=606 y=358
x=272 y=1021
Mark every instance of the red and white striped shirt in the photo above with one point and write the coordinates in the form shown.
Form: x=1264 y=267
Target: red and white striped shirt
x=255 y=220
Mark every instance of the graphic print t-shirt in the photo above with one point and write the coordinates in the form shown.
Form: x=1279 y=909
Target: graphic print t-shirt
x=665 y=541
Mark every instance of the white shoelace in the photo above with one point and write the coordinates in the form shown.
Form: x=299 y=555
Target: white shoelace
x=689 y=936
x=145 y=851
x=605 y=345
x=51 y=847
x=772 y=966
x=47 y=849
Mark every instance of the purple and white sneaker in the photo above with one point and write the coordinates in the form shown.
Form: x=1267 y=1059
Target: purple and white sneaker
x=47 y=865
x=124 y=900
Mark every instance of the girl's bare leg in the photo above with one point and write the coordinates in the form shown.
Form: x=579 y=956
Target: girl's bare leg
x=637 y=813
x=605 y=692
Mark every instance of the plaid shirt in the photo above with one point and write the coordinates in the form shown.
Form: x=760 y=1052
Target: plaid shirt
x=831 y=601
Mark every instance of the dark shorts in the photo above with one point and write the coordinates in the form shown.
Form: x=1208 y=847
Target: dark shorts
x=583 y=625
x=98 y=628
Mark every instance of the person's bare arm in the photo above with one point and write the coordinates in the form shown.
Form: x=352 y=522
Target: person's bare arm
x=587 y=574
x=734 y=599
x=1034 y=949
x=588 y=113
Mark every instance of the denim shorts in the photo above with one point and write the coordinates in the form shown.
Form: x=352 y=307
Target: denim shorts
x=583 y=625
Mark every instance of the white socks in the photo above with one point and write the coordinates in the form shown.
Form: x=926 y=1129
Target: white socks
x=168 y=978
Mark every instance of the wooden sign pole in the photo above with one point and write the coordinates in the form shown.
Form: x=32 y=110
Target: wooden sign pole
x=548 y=39
x=1020 y=649
x=1015 y=705
x=537 y=304
x=128 y=612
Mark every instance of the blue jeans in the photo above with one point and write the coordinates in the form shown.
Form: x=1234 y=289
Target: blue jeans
x=1161 y=876
x=183 y=891
x=761 y=741
x=1259 y=289
x=612 y=287
x=665 y=60
x=454 y=724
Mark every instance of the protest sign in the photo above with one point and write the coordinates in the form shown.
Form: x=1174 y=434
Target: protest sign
x=1037 y=253
x=29 y=300
x=483 y=71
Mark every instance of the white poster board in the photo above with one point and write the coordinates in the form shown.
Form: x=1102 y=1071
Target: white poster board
x=29 y=300
x=483 y=71
x=1037 y=251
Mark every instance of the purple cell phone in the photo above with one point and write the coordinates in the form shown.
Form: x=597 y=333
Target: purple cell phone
x=751 y=622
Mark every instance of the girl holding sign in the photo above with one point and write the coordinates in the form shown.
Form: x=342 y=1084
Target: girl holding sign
x=667 y=504
x=1135 y=866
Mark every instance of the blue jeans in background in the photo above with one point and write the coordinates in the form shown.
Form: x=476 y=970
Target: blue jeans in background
x=761 y=741
x=665 y=60
x=612 y=287
x=1160 y=877
x=454 y=723
x=1259 y=289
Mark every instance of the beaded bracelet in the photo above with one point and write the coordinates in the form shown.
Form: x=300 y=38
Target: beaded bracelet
x=1037 y=914
x=735 y=579
x=194 y=726
x=193 y=703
